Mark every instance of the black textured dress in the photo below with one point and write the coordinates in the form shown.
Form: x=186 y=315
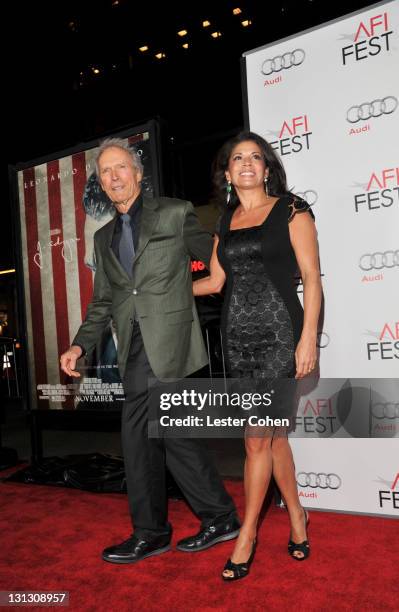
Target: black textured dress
x=262 y=316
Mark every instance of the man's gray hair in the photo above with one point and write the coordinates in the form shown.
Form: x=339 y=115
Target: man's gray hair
x=120 y=144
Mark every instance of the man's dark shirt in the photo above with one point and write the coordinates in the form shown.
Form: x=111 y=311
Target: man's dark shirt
x=135 y=212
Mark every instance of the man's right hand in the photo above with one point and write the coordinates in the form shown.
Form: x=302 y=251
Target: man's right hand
x=68 y=360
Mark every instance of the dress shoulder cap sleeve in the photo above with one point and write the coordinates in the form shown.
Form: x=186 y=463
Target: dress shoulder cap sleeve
x=298 y=205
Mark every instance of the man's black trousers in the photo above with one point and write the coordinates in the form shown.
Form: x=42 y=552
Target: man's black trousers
x=146 y=458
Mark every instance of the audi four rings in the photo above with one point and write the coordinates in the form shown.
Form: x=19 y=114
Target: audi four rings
x=281 y=62
x=318 y=481
x=323 y=339
x=386 y=410
x=376 y=108
x=377 y=261
x=310 y=196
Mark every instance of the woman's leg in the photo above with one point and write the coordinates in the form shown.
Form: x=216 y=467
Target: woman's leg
x=257 y=473
x=284 y=475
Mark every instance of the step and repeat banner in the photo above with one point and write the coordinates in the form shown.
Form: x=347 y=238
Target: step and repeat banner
x=61 y=206
x=327 y=101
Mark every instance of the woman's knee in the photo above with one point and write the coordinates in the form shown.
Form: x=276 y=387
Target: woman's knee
x=280 y=443
x=257 y=445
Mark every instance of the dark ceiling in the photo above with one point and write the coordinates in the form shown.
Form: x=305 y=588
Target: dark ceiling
x=55 y=100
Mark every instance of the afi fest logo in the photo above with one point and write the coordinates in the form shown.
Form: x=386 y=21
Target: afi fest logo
x=369 y=110
x=381 y=191
x=293 y=136
x=390 y=495
x=371 y=38
x=317 y=416
x=386 y=345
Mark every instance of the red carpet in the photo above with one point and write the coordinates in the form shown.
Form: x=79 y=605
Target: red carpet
x=51 y=539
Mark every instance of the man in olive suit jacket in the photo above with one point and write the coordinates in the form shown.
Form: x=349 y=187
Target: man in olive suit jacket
x=143 y=282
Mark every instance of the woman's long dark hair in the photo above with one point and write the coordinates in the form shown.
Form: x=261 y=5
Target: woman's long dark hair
x=277 y=183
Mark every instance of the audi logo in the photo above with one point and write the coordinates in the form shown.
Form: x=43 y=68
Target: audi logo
x=310 y=196
x=323 y=340
x=376 y=108
x=387 y=410
x=377 y=261
x=281 y=62
x=318 y=481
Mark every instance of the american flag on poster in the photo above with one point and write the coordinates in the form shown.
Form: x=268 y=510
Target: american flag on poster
x=57 y=228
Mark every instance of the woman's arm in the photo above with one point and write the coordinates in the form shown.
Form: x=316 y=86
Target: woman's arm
x=213 y=283
x=304 y=242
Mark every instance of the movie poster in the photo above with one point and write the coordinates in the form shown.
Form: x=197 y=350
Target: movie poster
x=61 y=205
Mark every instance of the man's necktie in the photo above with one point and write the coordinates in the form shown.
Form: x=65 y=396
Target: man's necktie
x=126 y=246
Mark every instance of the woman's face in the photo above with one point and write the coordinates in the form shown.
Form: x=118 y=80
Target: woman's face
x=246 y=169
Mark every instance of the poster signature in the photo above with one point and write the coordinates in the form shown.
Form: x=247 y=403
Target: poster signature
x=66 y=250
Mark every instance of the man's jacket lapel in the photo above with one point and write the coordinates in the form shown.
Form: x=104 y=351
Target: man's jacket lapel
x=149 y=219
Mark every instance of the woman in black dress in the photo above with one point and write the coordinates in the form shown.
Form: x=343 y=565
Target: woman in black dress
x=261 y=240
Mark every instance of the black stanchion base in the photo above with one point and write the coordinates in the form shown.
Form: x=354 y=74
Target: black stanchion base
x=8 y=458
x=97 y=472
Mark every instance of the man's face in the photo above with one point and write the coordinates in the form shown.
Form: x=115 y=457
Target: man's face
x=119 y=178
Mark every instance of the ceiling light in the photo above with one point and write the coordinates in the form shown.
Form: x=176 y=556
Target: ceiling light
x=246 y=23
x=185 y=46
x=7 y=271
x=206 y=23
x=216 y=34
x=182 y=33
x=144 y=48
x=237 y=11
x=160 y=55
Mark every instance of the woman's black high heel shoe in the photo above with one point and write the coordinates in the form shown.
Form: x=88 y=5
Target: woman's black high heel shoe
x=302 y=547
x=240 y=570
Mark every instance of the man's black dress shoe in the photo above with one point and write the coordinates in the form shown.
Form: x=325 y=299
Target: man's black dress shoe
x=210 y=535
x=135 y=549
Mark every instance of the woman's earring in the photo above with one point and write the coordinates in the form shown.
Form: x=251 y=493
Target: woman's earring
x=228 y=190
x=266 y=187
